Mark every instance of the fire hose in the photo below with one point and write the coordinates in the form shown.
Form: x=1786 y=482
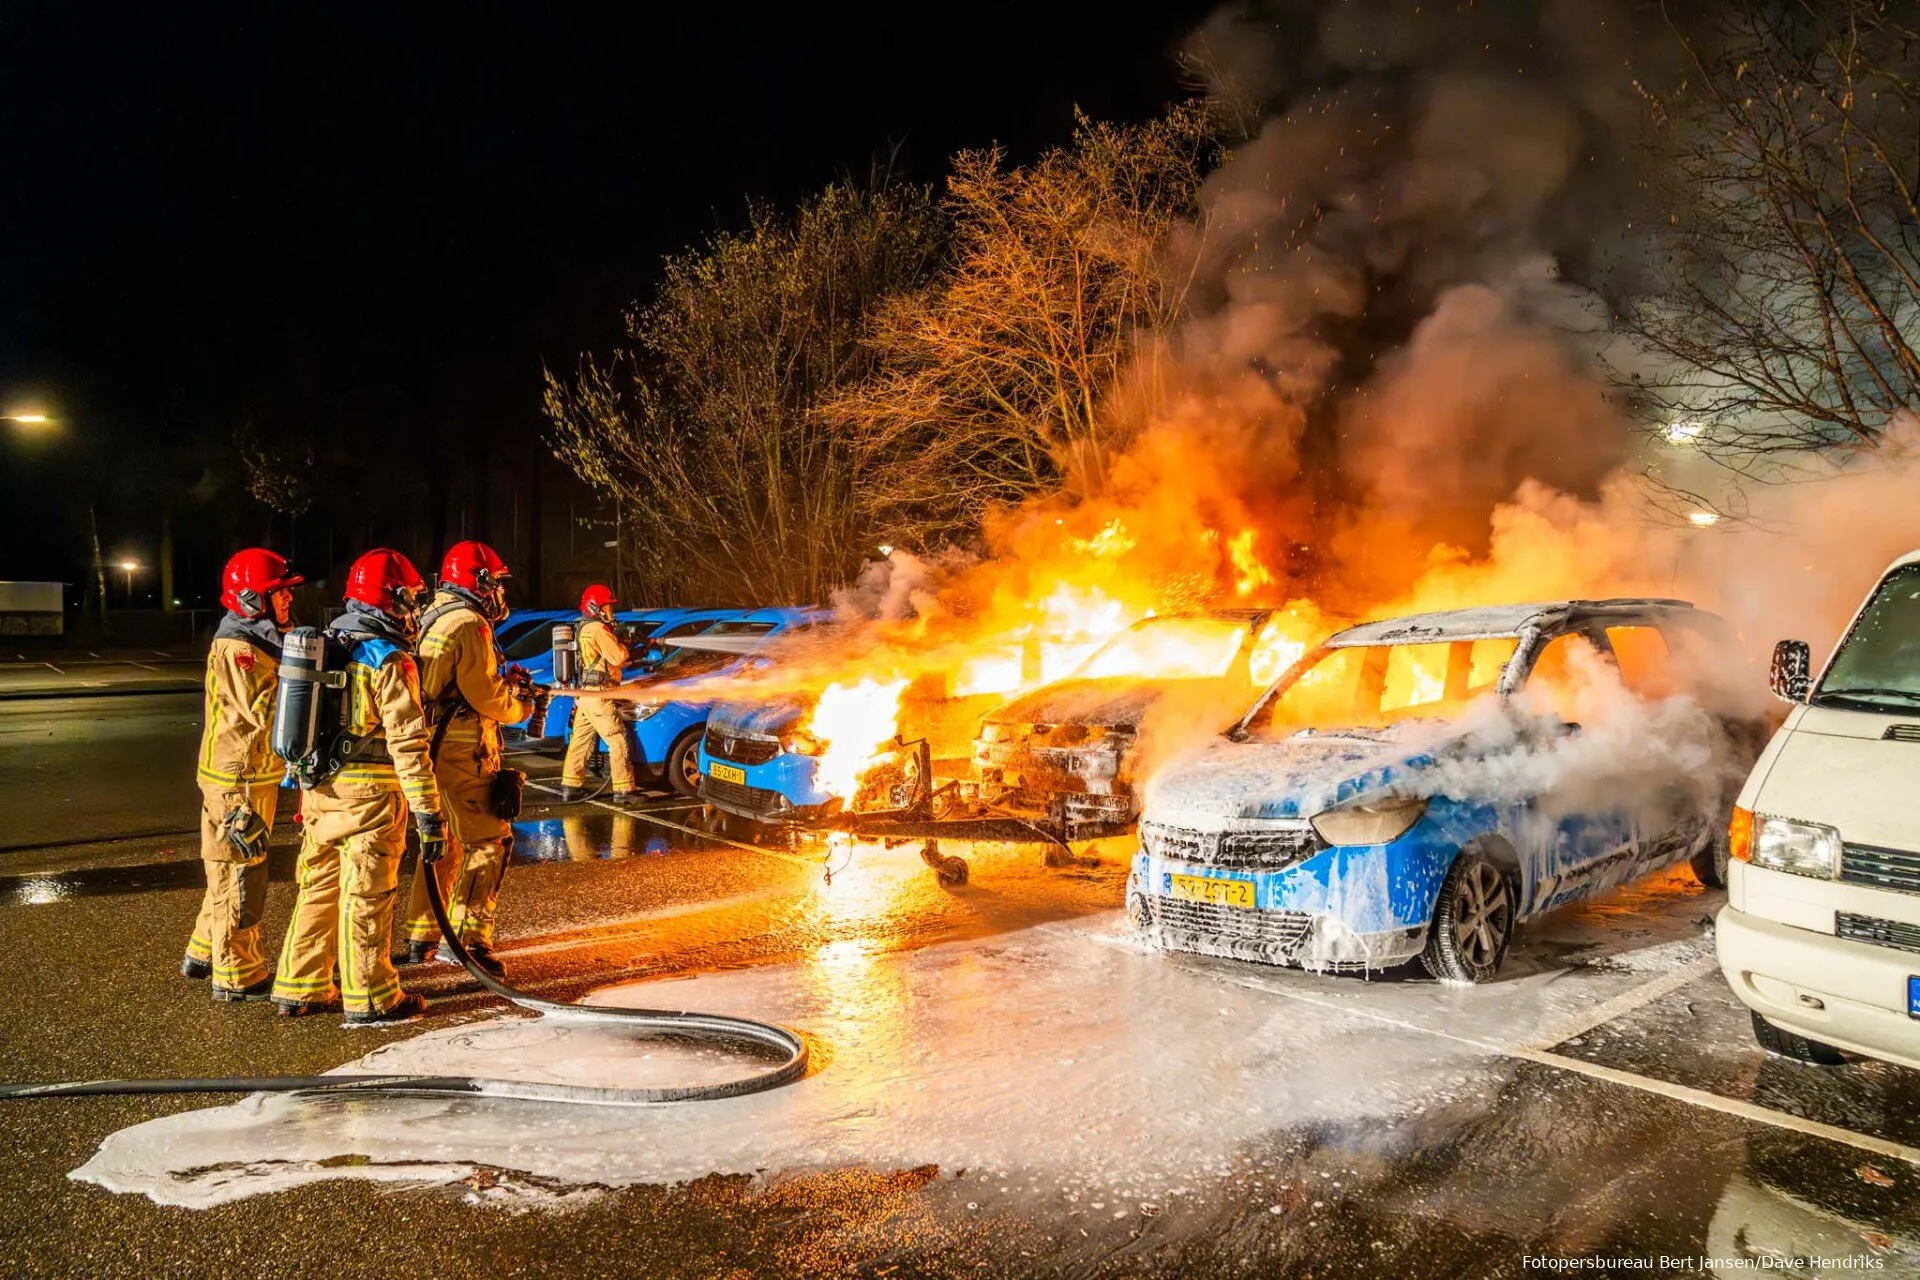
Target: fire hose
x=759 y=1037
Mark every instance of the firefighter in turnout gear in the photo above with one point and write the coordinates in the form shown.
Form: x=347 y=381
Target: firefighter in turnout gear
x=468 y=697
x=603 y=661
x=239 y=775
x=356 y=816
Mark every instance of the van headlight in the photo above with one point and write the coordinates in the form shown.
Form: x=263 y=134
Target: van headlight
x=800 y=742
x=1804 y=848
x=642 y=710
x=1380 y=822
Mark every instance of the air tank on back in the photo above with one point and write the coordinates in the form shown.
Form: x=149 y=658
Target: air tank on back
x=566 y=656
x=296 y=712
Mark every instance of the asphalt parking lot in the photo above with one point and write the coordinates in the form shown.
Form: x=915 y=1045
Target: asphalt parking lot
x=1004 y=1082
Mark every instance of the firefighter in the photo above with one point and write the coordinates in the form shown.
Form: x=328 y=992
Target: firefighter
x=603 y=661
x=356 y=817
x=239 y=775
x=467 y=697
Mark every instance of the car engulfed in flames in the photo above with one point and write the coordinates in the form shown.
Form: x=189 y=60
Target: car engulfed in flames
x=1067 y=755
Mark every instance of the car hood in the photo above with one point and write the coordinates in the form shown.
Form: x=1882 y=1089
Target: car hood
x=1293 y=778
x=1113 y=702
x=768 y=717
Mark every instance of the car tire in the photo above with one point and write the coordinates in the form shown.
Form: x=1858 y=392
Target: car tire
x=1473 y=920
x=683 y=763
x=1710 y=864
x=1791 y=1044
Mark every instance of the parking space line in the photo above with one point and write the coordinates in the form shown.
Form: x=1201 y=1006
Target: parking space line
x=1626 y=1002
x=1727 y=1106
x=1613 y=1075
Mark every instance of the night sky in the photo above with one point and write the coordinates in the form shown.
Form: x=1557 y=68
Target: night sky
x=371 y=227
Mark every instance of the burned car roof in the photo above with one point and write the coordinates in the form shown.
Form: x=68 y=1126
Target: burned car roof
x=1490 y=621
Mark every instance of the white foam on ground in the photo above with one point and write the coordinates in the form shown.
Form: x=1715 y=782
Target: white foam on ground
x=1061 y=1052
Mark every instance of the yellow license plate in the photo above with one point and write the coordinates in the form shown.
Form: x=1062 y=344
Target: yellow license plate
x=1232 y=893
x=727 y=773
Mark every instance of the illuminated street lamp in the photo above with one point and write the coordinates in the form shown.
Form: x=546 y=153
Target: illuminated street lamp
x=1704 y=519
x=129 y=567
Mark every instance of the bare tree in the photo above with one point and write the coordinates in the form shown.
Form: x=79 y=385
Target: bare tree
x=1785 y=311
x=278 y=476
x=704 y=429
x=994 y=383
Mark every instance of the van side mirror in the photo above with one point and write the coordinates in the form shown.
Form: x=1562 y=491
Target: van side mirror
x=1791 y=675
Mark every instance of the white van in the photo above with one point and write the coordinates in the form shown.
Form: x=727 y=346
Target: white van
x=1820 y=936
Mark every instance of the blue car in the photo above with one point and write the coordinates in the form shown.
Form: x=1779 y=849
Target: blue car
x=530 y=645
x=756 y=762
x=1376 y=804
x=534 y=627
x=668 y=710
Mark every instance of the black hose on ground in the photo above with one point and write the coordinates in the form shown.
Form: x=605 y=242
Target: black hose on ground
x=760 y=1037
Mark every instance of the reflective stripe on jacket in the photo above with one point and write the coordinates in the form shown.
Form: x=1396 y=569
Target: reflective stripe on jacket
x=383 y=704
x=236 y=748
x=457 y=654
x=602 y=656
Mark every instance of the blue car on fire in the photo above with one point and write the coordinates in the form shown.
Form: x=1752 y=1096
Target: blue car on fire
x=757 y=762
x=648 y=633
x=1415 y=788
x=667 y=710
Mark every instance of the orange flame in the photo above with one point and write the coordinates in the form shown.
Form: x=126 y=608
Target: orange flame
x=854 y=722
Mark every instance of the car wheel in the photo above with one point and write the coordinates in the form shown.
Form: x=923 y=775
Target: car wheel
x=1791 y=1044
x=683 y=762
x=1472 y=921
x=1710 y=864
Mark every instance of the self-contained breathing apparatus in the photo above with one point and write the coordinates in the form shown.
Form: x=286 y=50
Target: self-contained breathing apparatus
x=310 y=712
x=566 y=656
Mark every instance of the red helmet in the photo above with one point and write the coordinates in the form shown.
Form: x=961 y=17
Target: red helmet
x=477 y=569
x=387 y=581
x=595 y=598
x=252 y=576
x=473 y=565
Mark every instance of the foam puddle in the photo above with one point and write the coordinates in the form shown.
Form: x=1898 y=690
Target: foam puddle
x=1061 y=1052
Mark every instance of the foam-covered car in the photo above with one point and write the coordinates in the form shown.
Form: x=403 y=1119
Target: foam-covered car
x=1416 y=787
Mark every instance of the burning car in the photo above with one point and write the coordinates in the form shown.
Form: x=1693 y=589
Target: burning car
x=1416 y=787
x=852 y=748
x=668 y=707
x=1062 y=754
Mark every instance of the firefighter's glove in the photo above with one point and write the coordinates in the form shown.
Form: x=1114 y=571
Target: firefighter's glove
x=433 y=836
x=246 y=831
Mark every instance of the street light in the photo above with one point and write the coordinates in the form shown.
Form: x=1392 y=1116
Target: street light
x=129 y=567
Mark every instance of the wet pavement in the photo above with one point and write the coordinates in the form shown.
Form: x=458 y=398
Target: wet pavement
x=1005 y=1083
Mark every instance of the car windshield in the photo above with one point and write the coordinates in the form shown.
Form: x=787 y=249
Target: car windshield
x=1169 y=649
x=532 y=641
x=1877 y=667
x=1367 y=686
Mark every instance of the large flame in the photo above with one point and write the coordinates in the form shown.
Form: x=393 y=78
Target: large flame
x=854 y=723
